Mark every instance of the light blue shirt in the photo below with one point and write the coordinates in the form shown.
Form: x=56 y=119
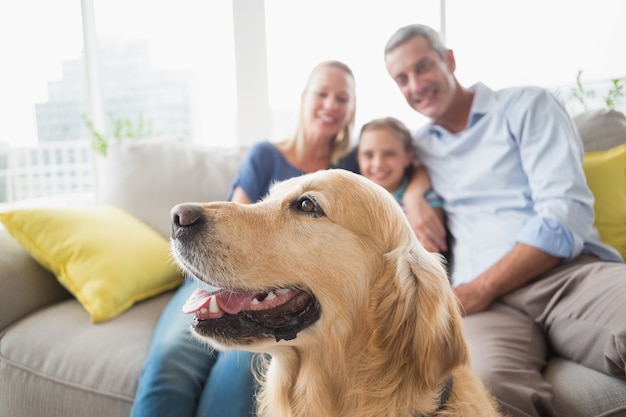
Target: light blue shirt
x=513 y=175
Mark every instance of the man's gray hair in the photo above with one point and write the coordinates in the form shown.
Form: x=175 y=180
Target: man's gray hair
x=406 y=33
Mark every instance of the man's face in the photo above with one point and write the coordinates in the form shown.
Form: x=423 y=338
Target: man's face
x=426 y=81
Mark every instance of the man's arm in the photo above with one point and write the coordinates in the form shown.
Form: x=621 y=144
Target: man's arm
x=519 y=266
x=426 y=222
x=551 y=155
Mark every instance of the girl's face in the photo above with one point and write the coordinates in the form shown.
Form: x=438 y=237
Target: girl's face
x=327 y=102
x=382 y=157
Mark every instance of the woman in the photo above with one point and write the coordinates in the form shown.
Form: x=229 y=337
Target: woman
x=322 y=136
x=181 y=376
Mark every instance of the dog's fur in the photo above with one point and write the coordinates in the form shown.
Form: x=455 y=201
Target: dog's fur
x=382 y=330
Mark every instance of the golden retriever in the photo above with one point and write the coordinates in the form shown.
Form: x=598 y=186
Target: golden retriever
x=326 y=275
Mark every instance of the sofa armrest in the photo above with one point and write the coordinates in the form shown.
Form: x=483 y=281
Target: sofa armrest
x=25 y=286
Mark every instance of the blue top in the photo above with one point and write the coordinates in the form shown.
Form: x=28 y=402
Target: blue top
x=513 y=175
x=264 y=165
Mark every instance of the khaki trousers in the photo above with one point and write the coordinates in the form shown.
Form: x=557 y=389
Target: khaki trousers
x=577 y=311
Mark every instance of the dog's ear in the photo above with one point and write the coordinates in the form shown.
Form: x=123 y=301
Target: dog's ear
x=416 y=316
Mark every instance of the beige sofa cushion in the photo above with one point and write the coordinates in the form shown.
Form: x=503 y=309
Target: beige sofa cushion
x=583 y=392
x=56 y=363
x=20 y=274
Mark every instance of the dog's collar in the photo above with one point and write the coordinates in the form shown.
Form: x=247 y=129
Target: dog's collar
x=443 y=399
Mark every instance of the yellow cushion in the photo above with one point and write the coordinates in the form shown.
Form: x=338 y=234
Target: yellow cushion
x=606 y=176
x=104 y=256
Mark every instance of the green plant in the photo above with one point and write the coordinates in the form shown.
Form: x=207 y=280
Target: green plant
x=579 y=93
x=615 y=93
x=123 y=128
x=579 y=96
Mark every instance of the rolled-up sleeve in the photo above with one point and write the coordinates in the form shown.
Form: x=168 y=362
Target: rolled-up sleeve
x=551 y=153
x=548 y=235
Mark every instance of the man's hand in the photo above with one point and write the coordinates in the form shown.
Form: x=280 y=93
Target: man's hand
x=515 y=269
x=472 y=298
x=427 y=224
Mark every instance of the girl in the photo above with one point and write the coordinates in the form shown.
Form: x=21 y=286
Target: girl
x=385 y=156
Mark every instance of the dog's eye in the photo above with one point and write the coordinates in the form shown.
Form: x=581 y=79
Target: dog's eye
x=307 y=205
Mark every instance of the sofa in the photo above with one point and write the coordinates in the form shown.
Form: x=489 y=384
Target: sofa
x=61 y=356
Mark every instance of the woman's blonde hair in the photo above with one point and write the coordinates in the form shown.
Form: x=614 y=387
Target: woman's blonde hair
x=340 y=144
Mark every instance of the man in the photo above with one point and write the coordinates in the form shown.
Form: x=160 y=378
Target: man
x=529 y=269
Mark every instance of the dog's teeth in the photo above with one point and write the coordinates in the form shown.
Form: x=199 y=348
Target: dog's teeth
x=203 y=310
x=254 y=301
x=213 y=307
x=270 y=295
x=283 y=291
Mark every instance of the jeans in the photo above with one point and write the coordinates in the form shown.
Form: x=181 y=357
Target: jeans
x=184 y=378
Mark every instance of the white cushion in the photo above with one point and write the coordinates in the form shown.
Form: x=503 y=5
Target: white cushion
x=147 y=177
x=601 y=129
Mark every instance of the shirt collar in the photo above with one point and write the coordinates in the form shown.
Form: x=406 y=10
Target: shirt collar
x=484 y=101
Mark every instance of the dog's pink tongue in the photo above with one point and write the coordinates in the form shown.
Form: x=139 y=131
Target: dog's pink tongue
x=232 y=303
x=229 y=302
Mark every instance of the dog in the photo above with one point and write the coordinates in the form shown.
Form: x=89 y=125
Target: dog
x=327 y=277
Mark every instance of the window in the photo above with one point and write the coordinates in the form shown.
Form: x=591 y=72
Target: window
x=539 y=42
x=498 y=43
x=168 y=67
x=170 y=63
x=36 y=39
x=302 y=34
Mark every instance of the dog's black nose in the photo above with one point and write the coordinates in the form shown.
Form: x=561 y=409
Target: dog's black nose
x=184 y=217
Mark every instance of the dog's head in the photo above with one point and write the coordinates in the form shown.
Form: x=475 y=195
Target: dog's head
x=325 y=258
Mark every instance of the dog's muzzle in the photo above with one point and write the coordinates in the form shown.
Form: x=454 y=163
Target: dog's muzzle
x=234 y=316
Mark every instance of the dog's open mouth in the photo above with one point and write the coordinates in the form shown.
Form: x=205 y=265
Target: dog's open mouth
x=243 y=317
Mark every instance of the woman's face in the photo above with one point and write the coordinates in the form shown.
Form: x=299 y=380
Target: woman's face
x=382 y=157
x=327 y=103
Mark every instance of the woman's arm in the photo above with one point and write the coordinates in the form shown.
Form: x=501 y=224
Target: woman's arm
x=239 y=196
